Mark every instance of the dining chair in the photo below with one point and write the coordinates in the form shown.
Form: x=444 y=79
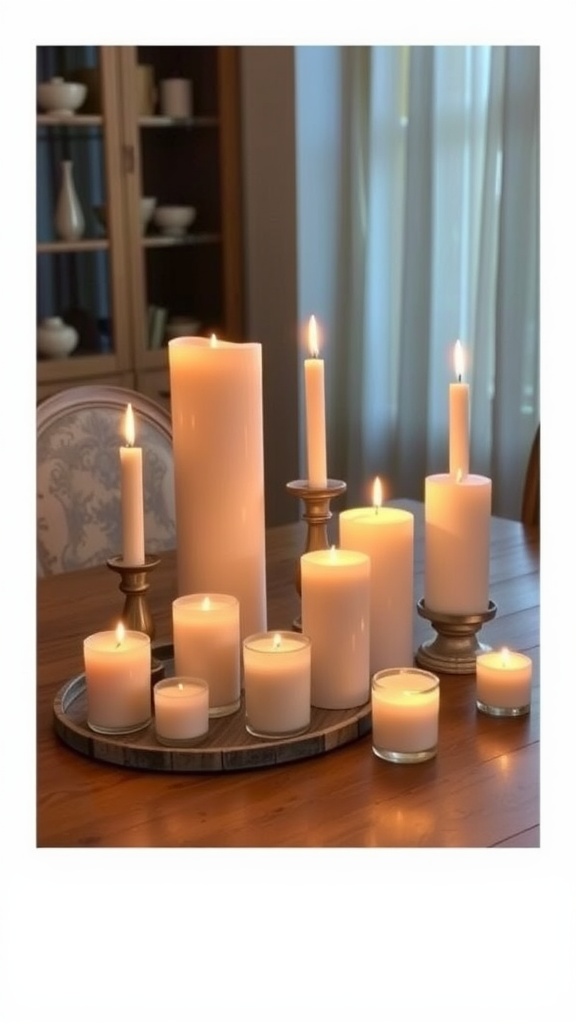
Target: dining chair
x=80 y=431
x=530 y=514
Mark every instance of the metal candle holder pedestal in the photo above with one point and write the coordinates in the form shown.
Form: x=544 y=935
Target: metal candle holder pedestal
x=317 y=514
x=456 y=646
x=136 y=614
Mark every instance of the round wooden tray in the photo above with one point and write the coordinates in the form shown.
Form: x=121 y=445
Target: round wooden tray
x=227 y=747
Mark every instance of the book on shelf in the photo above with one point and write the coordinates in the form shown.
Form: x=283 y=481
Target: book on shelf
x=157 y=326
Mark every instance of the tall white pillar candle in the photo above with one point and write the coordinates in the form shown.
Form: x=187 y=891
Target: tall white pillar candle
x=335 y=603
x=457 y=543
x=405 y=708
x=117 y=666
x=180 y=710
x=315 y=411
x=277 y=683
x=132 y=496
x=216 y=403
x=503 y=682
x=459 y=418
x=387 y=536
x=206 y=635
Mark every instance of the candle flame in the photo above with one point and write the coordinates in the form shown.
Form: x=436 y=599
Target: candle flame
x=213 y=341
x=505 y=655
x=459 y=476
x=377 y=493
x=180 y=687
x=333 y=553
x=206 y=604
x=458 y=360
x=129 y=431
x=277 y=642
x=313 y=337
x=120 y=634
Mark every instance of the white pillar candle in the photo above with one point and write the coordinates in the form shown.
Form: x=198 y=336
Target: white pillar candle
x=315 y=411
x=335 y=603
x=216 y=404
x=117 y=666
x=206 y=635
x=132 y=496
x=405 y=708
x=503 y=682
x=459 y=418
x=387 y=536
x=180 y=710
x=457 y=543
x=277 y=683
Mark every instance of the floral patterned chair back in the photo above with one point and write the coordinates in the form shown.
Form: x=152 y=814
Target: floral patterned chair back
x=79 y=434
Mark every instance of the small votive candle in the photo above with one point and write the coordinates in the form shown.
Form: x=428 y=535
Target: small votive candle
x=206 y=630
x=180 y=710
x=503 y=683
x=277 y=679
x=117 y=666
x=405 y=708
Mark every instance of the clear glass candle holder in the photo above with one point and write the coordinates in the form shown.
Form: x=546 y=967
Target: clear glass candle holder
x=117 y=669
x=503 y=683
x=405 y=708
x=181 y=711
x=277 y=680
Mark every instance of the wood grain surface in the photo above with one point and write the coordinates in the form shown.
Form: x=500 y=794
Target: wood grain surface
x=482 y=789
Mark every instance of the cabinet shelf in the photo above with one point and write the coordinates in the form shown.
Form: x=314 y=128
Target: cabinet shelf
x=82 y=245
x=160 y=241
x=158 y=121
x=70 y=120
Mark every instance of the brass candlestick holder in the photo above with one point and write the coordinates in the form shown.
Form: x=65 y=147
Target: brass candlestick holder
x=317 y=515
x=136 y=613
x=456 y=645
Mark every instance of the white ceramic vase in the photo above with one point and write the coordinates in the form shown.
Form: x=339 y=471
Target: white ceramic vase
x=68 y=217
x=55 y=338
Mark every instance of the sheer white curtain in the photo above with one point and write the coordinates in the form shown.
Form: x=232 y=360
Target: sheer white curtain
x=433 y=159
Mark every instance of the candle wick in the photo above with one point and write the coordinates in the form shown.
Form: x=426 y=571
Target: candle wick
x=459 y=378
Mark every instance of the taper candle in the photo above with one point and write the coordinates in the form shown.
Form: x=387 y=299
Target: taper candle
x=387 y=535
x=315 y=411
x=459 y=418
x=217 y=424
x=132 y=495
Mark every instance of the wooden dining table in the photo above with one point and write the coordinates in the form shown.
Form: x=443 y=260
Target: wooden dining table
x=481 y=790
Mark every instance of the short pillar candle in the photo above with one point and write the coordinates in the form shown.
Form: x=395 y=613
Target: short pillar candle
x=117 y=667
x=206 y=633
x=277 y=683
x=336 y=617
x=405 y=709
x=503 y=683
x=180 y=710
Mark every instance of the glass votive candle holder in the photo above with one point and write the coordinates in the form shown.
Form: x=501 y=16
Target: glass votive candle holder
x=277 y=680
x=405 y=708
x=117 y=667
x=206 y=631
x=503 y=683
x=180 y=710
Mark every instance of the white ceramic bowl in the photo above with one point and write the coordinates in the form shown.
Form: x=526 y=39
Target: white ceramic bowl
x=60 y=97
x=147 y=206
x=174 y=221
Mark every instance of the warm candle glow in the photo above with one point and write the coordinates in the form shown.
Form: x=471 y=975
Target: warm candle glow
x=313 y=337
x=120 y=634
x=213 y=341
x=377 y=493
x=277 y=642
x=505 y=655
x=459 y=476
x=458 y=360
x=129 y=431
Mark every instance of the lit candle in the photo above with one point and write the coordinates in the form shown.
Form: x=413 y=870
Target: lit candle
x=180 y=710
x=132 y=496
x=457 y=543
x=387 y=536
x=217 y=425
x=405 y=708
x=206 y=634
x=117 y=666
x=503 y=682
x=277 y=683
x=315 y=411
x=459 y=427
x=335 y=603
